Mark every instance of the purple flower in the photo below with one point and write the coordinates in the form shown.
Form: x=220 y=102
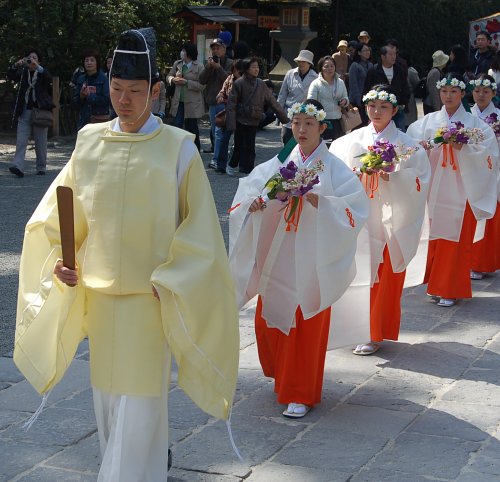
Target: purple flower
x=458 y=125
x=289 y=171
x=462 y=139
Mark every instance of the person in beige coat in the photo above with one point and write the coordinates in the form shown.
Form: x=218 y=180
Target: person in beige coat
x=187 y=103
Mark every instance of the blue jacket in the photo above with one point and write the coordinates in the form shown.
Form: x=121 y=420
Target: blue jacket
x=95 y=103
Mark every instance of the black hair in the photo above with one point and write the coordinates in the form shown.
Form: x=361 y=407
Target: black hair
x=393 y=42
x=352 y=43
x=237 y=65
x=454 y=75
x=460 y=55
x=33 y=51
x=315 y=103
x=380 y=87
x=359 y=47
x=240 y=50
x=92 y=53
x=406 y=56
x=486 y=77
x=191 y=50
x=322 y=61
x=485 y=33
x=246 y=63
x=495 y=63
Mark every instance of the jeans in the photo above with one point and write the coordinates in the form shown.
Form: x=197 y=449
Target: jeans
x=399 y=120
x=212 y=110
x=24 y=131
x=222 y=137
x=191 y=125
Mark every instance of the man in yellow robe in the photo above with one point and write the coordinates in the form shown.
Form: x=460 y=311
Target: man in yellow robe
x=152 y=276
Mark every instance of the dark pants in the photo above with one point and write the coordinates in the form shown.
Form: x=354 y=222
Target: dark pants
x=190 y=125
x=244 y=148
x=286 y=134
x=428 y=109
x=334 y=132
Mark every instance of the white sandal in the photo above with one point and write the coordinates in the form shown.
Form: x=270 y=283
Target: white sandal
x=366 y=349
x=446 y=302
x=296 y=410
x=476 y=275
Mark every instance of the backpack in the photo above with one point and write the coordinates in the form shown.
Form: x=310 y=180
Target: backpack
x=420 y=91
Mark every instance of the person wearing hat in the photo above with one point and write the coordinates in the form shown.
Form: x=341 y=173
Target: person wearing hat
x=295 y=87
x=217 y=69
x=364 y=37
x=151 y=280
x=432 y=101
x=341 y=59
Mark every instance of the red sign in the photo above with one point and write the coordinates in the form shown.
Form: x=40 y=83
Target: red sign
x=269 y=21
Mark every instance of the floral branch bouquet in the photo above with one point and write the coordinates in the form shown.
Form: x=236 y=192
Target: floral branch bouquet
x=494 y=122
x=458 y=134
x=383 y=157
x=291 y=183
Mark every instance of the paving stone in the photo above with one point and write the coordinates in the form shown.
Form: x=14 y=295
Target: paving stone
x=430 y=359
x=23 y=397
x=489 y=359
x=10 y=417
x=364 y=420
x=17 y=457
x=257 y=439
x=472 y=476
x=475 y=333
x=343 y=366
x=426 y=455
x=183 y=414
x=378 y=474
x=8 y=371
x=78 y=401
x=468 y=391
x=83 y=456
x=54 y=426
x=484 y=417
x=294 y=473
x=249 y=381
x=435 y=422
x=490 y=376
x=344 y=451
x=397 y=390
x=48 y=474
x=487 y=460
x=178 y=475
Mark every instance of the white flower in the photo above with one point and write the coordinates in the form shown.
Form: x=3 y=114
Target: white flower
x=321 y=115
x=461 y=85
x=383 y=95
x=454 y=82
x=493 y=86
x=393 y=100
x=311 y=110
x=486 y=83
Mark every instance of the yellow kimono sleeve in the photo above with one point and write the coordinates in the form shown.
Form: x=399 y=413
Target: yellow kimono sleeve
x=198 y=302
x=49 y=323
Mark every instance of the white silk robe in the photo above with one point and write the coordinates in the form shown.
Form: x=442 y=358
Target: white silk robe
x=311 y=267
x=397 y=217
x=474 y=180
x=135 y=226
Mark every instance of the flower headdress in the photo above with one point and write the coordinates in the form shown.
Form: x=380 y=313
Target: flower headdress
x=453 y=82
x=380 y=95
x=309 y=109
x=483 y=83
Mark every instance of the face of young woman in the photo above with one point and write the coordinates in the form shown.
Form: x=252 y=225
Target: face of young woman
x=307 y=131
x=365 y=52
x=451 y=97
x=253 y=70
x=380 y=112
x=483 y=96
x=328 y=69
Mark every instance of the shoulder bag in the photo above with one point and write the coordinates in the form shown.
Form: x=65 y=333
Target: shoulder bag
x=41 y=118
x=350 y=119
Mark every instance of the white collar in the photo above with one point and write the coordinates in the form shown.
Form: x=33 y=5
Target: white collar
x=385 y=134
x=147 y=128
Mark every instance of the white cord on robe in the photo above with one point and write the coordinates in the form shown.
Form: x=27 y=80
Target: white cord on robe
x=235 y=449
x=27 y=425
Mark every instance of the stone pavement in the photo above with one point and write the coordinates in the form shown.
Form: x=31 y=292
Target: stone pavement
x=424 y=408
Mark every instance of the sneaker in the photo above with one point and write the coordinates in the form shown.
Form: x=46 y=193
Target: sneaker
x=476 y=275
x=212 y=165
x=231 y=171
x=15 y=170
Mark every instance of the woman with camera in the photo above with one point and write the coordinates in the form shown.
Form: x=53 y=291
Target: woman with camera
x=92 y=91
x=33 y=93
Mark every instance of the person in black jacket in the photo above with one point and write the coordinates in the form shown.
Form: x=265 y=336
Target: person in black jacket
x=483 y=55
x=387 y=71
x=34 y=91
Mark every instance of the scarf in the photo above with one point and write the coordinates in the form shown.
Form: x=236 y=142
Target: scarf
x=31 y=87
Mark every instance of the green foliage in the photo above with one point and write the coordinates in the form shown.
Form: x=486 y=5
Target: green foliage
x=62 y=29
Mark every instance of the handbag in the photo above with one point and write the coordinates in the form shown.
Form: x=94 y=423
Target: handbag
x=96 y=118
x=41 y=118
x=220 y=118
x=350 y=119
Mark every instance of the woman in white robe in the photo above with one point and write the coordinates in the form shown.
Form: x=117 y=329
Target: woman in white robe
x=390 y=239
x=486 y=252
x=463 y=191
x=297 y=270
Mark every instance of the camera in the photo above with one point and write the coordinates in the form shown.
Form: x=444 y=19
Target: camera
x=215 y=58
x=27 y=61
